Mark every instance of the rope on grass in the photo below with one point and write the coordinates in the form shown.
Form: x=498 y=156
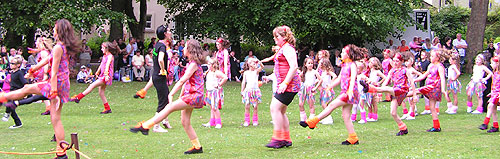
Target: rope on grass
x=46 y=153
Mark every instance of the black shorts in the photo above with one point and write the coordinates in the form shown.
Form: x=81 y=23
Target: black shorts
x=285 y=97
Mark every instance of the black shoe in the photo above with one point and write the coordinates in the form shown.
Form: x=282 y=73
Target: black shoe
x=365 y=85
x=493 y=129
x=386 y=100
x=53 y=138
x=46 y=113
x=276 y=144
x=288 y=143
x=136 y=96
x=139 y=128
x=483 y=127
x=106 y=111
x=303 y=124
x=193 y=150
x=434 y=130
x=402 y=132
x=348 y=143
x=61 y=157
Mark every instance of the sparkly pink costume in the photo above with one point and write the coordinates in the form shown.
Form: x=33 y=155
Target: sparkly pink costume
x=102 y=74
x=345 y=78
x=495 y=89
x=432 y=88
x=401 y=84
x=386 y=66
x=281 y=68
x=220 y=59
x=63 y=84
x=193 y=88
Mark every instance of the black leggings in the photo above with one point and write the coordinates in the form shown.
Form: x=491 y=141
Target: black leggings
x=14 y=116
x=32 y=99
x=160 y=83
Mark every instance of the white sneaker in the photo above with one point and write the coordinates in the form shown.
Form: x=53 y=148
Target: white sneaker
x=425 y=112
x=371 y=120
x=498 y=108
x=469 y=109
x=157 y=128
x=477 y=112
x=245 y=124
x=218 y=126
x=255 y=123
x=328 y=120
x=6 y=117
x=405 y=116
x=15 y=126
x=453 y=110
x=206 y=125
x=361 y=121
x=410 y=118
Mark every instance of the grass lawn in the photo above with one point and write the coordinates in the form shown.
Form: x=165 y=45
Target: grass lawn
x=107 y=136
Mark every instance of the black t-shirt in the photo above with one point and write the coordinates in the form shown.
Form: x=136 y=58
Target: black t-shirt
x=449 y=47
x=17 y=80
x=122 y=46
x=159 y=47
x=425 y=64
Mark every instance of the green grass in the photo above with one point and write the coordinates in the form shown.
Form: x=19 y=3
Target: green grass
x=106 y=136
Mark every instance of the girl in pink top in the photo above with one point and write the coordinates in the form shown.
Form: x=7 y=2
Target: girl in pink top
x=494 y=97
x=105 y=72
x=223 y=56
x=403 y=81
x=285 y=69
x=434 y=86
x=348 y=94
x=56 y=89
x=386 y=67
x=191 y=96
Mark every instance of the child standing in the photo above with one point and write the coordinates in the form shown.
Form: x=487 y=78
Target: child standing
x=495 y=98
x=376 y=79
x=410 y=115
x=434 y=87
x=105 y=72
x=364 y=97
x=403 y=82
x=477 y=85
x=250 y=91
x=386 y=66
x=191 y=97
x=17 y=81
x=454 y=85
x=214 y=97
x=348 y=95
x=326 y=95
x=312 y=80
x=57 y=87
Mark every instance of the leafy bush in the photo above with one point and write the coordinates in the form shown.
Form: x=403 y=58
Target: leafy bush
x=260 y=52
x=450 y=21
x=95 y=45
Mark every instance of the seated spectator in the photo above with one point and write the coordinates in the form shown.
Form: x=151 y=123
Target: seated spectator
x=250 y=55
x=149 y=61
x=235 y=67
x=138 y=66
x=123 y=66
x=84 y=75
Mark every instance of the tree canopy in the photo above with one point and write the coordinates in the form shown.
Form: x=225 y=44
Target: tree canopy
x=317 y=22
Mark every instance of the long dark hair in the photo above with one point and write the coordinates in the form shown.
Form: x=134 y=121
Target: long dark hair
x=66 y=35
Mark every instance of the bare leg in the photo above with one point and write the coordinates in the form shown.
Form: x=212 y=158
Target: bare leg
x=394 y=111
x=55 y=117
x=171 y=107
x=23 y=92
x=186 y=123
x=346 y=112
x=277 y=115
x=332 y=106
x=102 y=90
x=149 y=84
x=311 y=106
x=432 y=104
x=91 y=87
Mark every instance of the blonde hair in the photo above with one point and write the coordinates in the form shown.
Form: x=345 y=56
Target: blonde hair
x=196 y=53
x=285 y=32
x=378 y=65
x=214 y=64
x=326 y=65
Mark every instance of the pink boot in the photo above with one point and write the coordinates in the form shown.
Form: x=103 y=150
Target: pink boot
x=363 y=118
x=353 y=117
x=247 y=120
x=255 y=120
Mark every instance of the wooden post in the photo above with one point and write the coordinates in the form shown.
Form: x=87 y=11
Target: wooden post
x=74 y=140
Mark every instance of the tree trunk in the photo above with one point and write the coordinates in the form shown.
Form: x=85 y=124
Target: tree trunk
x=475 y=31
x=116 y=28
x=30 y=38
x=137 y=28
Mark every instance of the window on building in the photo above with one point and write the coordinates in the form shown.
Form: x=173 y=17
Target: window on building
x=148 y=21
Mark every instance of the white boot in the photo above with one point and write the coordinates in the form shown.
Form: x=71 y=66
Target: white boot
x=449 y=108
x=328 y=120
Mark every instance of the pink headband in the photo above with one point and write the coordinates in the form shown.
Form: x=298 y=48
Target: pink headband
x=399 y=57
x=347 y=48
x=495 y=59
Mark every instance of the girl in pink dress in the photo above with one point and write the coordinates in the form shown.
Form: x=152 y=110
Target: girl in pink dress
x=348 y=94
x=288 y=80
x=191 y=97
x=403 y=82
x=494 y=97
x=222 y=56
x=105 y=72
x=434 y=87
x=386 y=67
x=56 y=89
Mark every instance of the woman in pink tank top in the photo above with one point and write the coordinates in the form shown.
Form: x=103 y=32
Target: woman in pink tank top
x=56 y=89
x=348 y=94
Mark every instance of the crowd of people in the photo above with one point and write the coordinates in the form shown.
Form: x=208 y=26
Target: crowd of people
x=364 y=80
